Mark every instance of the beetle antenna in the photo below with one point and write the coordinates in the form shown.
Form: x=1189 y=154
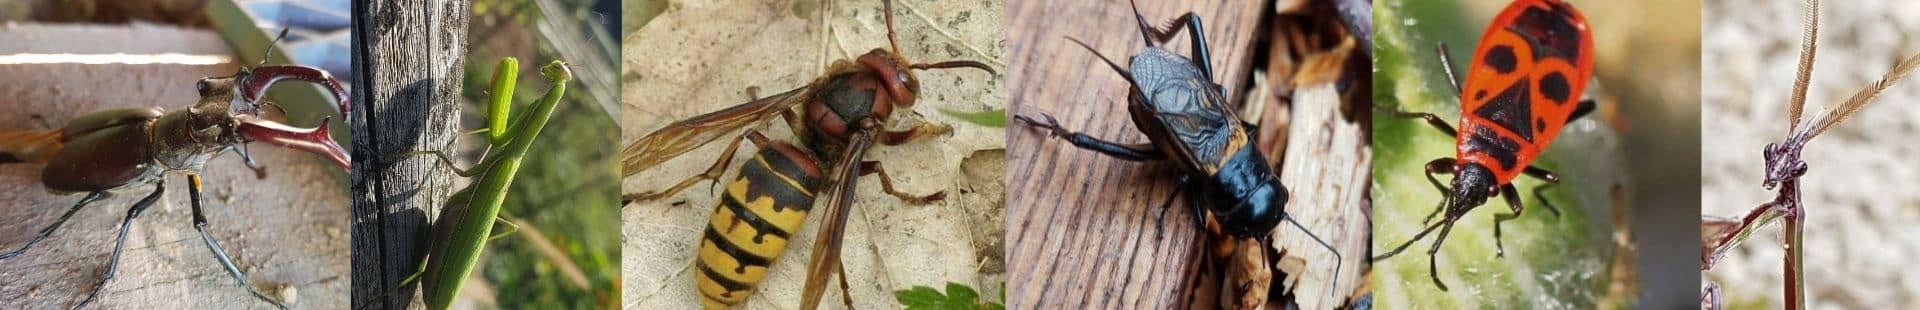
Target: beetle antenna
x=270 y=45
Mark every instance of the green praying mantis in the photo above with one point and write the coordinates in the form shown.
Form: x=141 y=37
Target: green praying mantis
x=466 y=222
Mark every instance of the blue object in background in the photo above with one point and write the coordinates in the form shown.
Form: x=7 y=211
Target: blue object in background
x=321 y=31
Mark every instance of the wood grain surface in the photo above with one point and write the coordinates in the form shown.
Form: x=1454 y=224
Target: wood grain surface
x=286 y=232
x=1083 y=228
x=408 y=56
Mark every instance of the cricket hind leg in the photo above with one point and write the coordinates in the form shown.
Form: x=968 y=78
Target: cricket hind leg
x=1135 y=152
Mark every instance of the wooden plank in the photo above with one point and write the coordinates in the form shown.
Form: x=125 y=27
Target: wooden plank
x=284 y=231
x=1081 y=226
x=410 y=56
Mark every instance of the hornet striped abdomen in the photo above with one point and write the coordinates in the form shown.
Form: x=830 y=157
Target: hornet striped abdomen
x=761 y=210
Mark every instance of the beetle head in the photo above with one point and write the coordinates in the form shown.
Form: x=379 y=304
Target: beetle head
x=230 y=111
x=1472 y=184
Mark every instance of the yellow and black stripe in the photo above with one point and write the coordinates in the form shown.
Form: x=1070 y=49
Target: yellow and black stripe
x=763 y=207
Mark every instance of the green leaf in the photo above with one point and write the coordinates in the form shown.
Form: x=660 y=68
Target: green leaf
x=961 y=292
x=959 y=297
x=996 y=118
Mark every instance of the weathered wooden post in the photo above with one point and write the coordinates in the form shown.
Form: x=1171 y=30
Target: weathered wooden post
x=408 y=57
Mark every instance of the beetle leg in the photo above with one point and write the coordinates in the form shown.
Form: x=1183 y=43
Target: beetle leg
x=886 y=184
x=1440 y=165
x=923 y=130
x=120 y=243
x=1539 y=192
x=713 y=173
x=1585 y=107
x=200 y=224
x=91 y=198
x=1433 y=258
x=1433 y=120
x=1513 y=203
x=258 y=171
x=1135 y=152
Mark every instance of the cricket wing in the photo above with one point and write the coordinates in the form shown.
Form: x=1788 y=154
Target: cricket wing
x=685 y=135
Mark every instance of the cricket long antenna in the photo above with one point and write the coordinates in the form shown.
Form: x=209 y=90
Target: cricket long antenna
x=1808 y=45
x=1337 y=260
x=1096 y=53
x=270 y=45
x=1840 y=114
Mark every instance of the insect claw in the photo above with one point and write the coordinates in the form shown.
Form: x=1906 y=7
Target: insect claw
x=255 y=85
x=258 y=171
x=316 y=140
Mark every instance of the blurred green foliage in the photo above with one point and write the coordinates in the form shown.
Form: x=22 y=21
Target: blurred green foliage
x=958 y=297
x=567 y=189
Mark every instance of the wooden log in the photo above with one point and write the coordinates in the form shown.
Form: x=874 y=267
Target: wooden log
x=408 y=56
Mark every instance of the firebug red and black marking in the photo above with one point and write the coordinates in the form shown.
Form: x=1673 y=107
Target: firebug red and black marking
x=1523 y=85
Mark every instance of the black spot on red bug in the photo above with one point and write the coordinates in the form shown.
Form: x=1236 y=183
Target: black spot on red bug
x=1555 y=87
x=1540 y=124
x=1510 y=110
x=1550 y=30
x=1501 y=59
x=1483 y=140
x=1479 y=95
